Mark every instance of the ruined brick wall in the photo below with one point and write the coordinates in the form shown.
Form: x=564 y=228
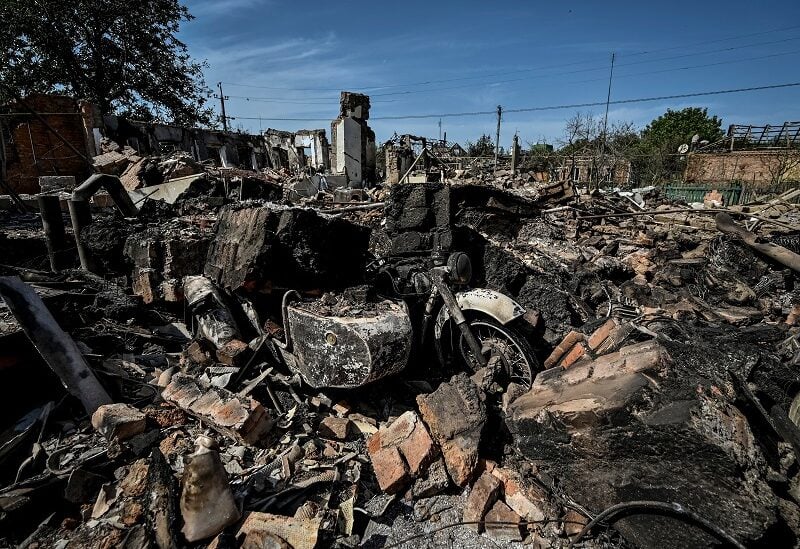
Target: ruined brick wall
x=32 y=150
x=621 y=172
x=398 y=160
x=759 y=168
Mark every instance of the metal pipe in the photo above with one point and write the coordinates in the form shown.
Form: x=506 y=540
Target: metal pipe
x=287 y=333
x=53 y=225
x=81 y=216
x=113 y=186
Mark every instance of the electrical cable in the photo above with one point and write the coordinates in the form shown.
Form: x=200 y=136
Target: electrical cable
x=658 y=507
x=660 y=71
x=536 y=109
x=427 y=82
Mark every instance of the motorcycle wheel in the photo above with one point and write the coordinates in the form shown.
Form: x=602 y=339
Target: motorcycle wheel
x=496 y=340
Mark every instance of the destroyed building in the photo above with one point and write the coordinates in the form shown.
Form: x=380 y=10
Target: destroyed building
x=353 y=141
x=194 y=354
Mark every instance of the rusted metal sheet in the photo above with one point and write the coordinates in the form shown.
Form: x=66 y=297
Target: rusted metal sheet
x=333 y=351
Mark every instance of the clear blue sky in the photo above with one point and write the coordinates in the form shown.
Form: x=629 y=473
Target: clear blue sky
x=471 y=56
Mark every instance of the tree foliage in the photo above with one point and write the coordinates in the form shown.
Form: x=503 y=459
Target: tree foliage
x=123 y=56
x=484 y=146
x=676 y=127
x=658 y=159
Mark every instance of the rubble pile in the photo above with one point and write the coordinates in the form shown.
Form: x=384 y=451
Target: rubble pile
x=248 y=368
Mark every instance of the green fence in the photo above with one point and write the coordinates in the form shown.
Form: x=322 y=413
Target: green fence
x=732 y=192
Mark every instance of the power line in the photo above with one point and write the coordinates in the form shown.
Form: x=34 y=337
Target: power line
x=688 y=67
x=410 y=92
x=659 y=71
x=546 y=108
x=428 y=82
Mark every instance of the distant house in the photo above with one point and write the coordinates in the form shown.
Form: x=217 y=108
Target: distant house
x=585 y=169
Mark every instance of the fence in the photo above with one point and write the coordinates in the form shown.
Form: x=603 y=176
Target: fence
x=735 y=192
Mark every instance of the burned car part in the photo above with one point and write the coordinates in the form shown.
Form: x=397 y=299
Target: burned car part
x=347 y=351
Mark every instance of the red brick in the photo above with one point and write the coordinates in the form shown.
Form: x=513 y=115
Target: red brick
x=526 y=501
x=573 y=355
x=337 y=428
x=389 y=466
x=238 y=417
x=500 y=512
x=120 y=421
x=562 y=348
x=409 y=437
x=601 y=333
x=484 y=493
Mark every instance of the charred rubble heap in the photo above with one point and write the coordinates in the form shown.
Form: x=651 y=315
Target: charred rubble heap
x=143 y=406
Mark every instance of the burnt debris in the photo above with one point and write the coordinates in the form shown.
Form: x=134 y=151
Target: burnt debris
x=210 y=355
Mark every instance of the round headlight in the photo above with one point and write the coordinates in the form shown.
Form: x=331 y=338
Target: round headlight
x=460 y=267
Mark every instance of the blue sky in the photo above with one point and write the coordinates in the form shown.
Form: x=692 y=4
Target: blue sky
x=450 y=57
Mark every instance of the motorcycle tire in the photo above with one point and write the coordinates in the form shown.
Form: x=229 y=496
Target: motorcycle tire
x=519 y=362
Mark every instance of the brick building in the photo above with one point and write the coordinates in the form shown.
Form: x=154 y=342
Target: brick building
x=758 y=156
x=29 y=150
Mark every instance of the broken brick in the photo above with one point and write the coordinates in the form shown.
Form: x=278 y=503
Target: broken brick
x=481 y=497
x=569 y=342
x=238 y=417
x=337 y=428
x=389 y=466
x=234 y=353
x=525 y=500
x=458 y=434
x=502 y=513
x=575 y=354
x=409 y=437
x=118 y=421
x=601 y=333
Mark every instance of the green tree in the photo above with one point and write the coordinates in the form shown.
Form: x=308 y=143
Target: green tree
x=483 y=147
x=658 y=159
x=124 y=57
x=679 y=126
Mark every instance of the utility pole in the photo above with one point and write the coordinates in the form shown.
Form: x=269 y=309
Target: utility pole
x=497 y=137
x=605 y=118
x=222 y=104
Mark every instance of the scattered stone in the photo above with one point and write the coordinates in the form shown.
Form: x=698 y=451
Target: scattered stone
x=118 y=421
x=500 y=512
x=455 y=415
x=337 y=428
x=481 y=497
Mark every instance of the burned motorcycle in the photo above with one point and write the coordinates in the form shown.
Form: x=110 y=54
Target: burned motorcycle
x=470 y=327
